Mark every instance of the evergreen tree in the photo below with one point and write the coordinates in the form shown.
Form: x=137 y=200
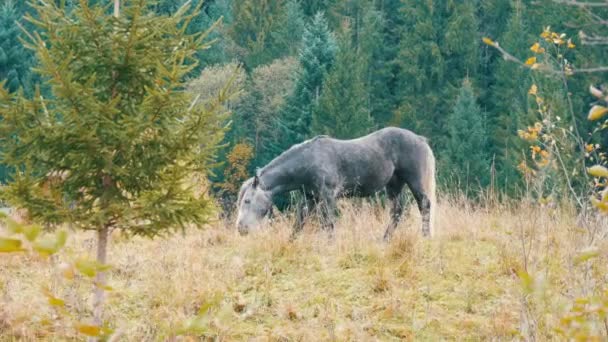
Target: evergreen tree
x=388 y=71
x=119 y=142
x=252 y=32
x=288 y=35
x=421 y=70
x=509 y=101
x=460 y=45
x=342 y=111
x=15 y=60
x=372 y=46
x=316 y=58
x=466 y=154
x=221 y=51
x=200 y=22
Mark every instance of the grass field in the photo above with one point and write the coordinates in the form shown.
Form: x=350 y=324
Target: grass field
x=461 y=285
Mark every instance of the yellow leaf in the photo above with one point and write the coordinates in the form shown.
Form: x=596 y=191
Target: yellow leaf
x=601 y=205
x=598 y=171
x=103 y=287
x=10 y=245
x=86 y=267
x=527 y=282
x=90 y=267
x=45 y=246
x=536 y=48
x=61 y=238
x=87 y=329
x=54 y=301
x=13 y=226
x=31 y=232
x=531 y=61
x=533 y=90
x=488 y=41
x=48 y=245
x=586 y=254
x=571 y=44
x=597 y=112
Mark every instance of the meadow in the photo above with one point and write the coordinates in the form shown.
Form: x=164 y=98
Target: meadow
x=493 y=272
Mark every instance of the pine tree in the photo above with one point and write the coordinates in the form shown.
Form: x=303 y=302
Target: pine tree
x=287 y=37
x=421 y=70
x=120 y=141
x=466 y=154
x=460 y=45
x=342 y=111
x=252 y=32
x=509 y=101
x=372 y=46
x=221 y=51
x=15 y=60
x=316 y=58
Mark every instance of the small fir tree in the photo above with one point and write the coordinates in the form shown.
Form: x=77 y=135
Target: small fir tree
x=120 y=137
x=467 y=154
x=342 y=111
x=316 y=58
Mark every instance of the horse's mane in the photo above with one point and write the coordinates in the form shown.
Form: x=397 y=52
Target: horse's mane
x=285 y=155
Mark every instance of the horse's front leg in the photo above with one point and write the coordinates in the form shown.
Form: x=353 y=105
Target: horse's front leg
x=329 y=211
x=303 y=210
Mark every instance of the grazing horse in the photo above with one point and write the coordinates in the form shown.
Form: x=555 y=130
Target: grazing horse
x=324 y=169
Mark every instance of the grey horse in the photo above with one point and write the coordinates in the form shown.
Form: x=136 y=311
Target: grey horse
x=325 y=169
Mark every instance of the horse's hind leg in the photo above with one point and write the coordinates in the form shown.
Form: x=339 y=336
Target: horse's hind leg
x=424 y=205
x=395 y=194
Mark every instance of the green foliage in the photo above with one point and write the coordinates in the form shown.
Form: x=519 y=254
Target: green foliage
x=343 y=111
x=252 y=32
x=509 y=101
x=288 y=35
x=15 y=60
x=270 y=86
x=468 y=160
x=316 y=57
x=377 y=67
x=421 y=69
x=119 y=140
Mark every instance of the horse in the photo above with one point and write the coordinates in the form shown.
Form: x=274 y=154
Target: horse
x=325 y=169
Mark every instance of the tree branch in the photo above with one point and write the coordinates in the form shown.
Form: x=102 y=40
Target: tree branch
x=582 y=3
x=509 y=57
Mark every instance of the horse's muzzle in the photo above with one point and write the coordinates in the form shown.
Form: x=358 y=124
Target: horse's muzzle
x=243 y=230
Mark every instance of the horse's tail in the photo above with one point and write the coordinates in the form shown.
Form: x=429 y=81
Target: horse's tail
x=430 y=186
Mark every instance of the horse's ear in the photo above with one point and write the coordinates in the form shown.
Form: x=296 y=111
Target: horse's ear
x=256 y=181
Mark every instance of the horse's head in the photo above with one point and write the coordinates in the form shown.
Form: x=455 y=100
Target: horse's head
x=254 y=202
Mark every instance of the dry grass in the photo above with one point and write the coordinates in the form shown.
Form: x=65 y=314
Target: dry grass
x=461 y=285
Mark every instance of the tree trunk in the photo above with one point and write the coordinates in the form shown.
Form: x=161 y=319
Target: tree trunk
x=100 y=277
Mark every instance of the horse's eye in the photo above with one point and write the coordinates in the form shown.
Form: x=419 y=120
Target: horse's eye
x=247 y=201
